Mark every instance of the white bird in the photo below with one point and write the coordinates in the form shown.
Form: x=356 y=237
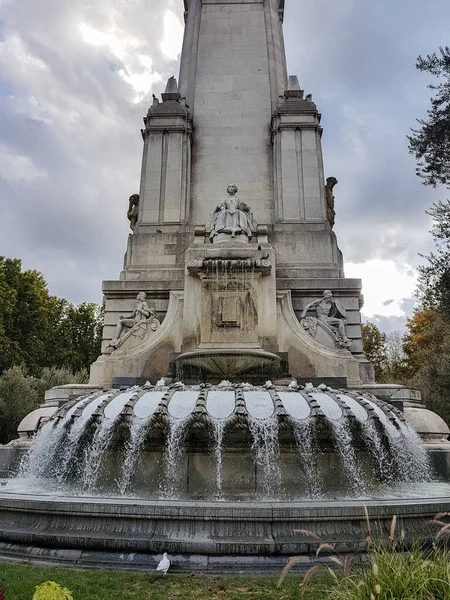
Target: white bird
x=164 y=564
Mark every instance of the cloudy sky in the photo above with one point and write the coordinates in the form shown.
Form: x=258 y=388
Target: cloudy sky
x=76 y=77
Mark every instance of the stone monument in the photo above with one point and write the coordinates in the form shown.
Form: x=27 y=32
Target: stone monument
x=217 y=287
x=221 y=277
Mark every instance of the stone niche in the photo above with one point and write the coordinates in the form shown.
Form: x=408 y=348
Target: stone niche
x=229 y=322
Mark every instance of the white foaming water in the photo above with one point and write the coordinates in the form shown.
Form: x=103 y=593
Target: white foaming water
x=102 y=438
x=147 y=404
x=259 y=404
x=220 y=404
x=344 y=446
x=295 y=404
x=304 y=439
x=182 y=404
x=138 y=431
x=74 y=436
x=41 y=454
x=219 y=426
x=410 y=458
x=93 y=455
x=328 y=406
x=173 y=456
x=265 y=446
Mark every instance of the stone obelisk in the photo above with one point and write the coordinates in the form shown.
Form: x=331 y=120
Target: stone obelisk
x=235 y=117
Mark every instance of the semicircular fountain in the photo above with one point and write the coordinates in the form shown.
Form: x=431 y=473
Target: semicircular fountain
x=226 y=442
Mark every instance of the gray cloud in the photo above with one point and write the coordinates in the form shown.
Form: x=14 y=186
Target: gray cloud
x=387 y=324
x=70 y=148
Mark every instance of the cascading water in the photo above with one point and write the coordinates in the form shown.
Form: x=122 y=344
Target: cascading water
x=71 y=450
x=173 y=456
x=304 y=437
x=345 y=448
x=219 y=427
x=265 y=446
x=263 y=425
x=41 y=460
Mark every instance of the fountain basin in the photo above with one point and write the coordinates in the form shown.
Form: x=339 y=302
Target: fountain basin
x=206 y=537
x=214 y=365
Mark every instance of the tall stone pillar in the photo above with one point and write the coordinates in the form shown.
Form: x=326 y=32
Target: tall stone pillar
x=166 y=165
x=235 y=118
x=233 y=70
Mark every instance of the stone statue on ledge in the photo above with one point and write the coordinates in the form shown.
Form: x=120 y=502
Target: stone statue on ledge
x=329 y=198
x=133 y=210
x=232 y=219
x=142 y=317
x=331 y=316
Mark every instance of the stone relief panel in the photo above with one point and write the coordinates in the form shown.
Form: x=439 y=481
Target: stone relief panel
x=328 y=327
x=135 y=328
x=229 y=313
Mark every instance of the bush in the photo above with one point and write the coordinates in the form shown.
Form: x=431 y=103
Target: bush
x=51 y=591
x=404 y=576
x=21 y=393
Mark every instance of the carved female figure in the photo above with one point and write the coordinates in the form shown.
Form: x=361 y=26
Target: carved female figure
x=233 y=218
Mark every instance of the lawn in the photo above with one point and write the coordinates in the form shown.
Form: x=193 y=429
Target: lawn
x=20 y=582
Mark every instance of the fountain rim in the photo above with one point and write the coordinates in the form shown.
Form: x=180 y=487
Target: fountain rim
x=296 y=505
x=256 y=352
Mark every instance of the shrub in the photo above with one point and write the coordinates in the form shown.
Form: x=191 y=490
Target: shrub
x=51 y=591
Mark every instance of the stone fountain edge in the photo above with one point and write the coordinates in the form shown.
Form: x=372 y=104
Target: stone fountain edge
x=200 y=536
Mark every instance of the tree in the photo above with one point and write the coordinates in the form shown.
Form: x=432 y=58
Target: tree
x=430 y=144
x=427 y=349
x=81 y=329
x=18 y=397
x=434 y=278
x=38 y=330
x=374 y=342
x=21 y=393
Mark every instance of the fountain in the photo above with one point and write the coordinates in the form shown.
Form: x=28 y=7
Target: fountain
x=232 y=404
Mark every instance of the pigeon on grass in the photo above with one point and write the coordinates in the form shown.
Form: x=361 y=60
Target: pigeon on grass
x=164 y=564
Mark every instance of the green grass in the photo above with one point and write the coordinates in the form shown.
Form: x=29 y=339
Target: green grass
x=389 y=575
x=20 y=582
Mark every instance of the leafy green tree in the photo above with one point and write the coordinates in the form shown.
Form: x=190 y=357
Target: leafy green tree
x=21 y=393
x=374 y=342
x=18 y=397
x=81 y=330
x=430 y=144
x=434 y=278
x=38 y=330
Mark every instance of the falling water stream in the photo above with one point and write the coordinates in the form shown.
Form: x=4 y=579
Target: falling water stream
x=173 y=457
x=70 y=451
x=219 y=426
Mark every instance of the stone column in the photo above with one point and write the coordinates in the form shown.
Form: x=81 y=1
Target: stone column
x=166 y=167
x=298 y=163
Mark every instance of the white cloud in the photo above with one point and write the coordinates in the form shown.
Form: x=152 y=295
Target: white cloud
x=386 y=285
x=17 y=167
x=173 y=34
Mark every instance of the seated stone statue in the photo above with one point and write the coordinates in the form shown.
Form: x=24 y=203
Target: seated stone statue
x=138 y=320
x=331 y=313
x=133 y=210
x=232 y=219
